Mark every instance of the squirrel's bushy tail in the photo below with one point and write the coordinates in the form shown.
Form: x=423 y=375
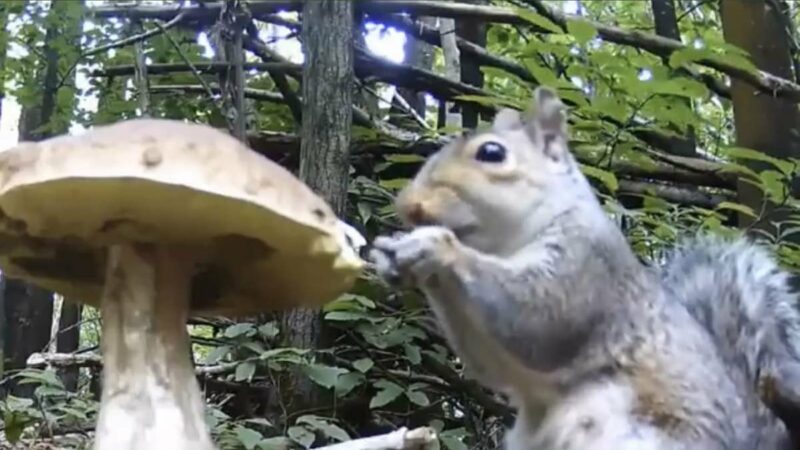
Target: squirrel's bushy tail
x=737 y=291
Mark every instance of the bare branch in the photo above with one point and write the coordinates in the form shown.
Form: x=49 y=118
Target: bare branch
x=136 y=38
x=403 y=439
x=255 y=94
x=194 y=71
x=663 y=47
x=675 y=194
x=202 y=66
x=672 y=169
x=253 y=43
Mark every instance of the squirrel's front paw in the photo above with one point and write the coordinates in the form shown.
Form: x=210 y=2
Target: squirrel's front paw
x=410 y=258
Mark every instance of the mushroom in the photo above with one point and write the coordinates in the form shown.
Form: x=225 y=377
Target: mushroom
x=152 y=220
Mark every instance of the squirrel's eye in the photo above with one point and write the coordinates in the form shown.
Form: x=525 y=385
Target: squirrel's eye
x=491 y=152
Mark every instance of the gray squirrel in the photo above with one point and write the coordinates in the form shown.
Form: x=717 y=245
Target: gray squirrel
x=542 y=298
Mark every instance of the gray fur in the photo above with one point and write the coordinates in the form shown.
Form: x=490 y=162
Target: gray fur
x=572 y=321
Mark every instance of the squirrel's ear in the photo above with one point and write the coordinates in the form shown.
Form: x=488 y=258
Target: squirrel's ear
x=548 y=123
x=506 y=119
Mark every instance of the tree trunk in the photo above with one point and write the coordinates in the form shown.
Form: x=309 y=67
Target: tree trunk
x=475 y=32
x=666 y=23
x=4 y=12
x=29 y=309
x=28 y=312
x=453 y=115
x=418 y=54
x=763 y=123
x=327 y=118
x=69 y=340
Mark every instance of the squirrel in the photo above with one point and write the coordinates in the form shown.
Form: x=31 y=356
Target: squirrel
x=542 y=298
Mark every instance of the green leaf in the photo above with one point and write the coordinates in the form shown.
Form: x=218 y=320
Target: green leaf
x=452 y=443
x=269 y=330
x=404 y=158
x=738 y=168
x=347 y=382
x=413 y=353
x=363 y=364
x=453 y=438
x=747 y=153
x=14 y=424
x=45 y=377
x=301 y=435
x=245 y=371
x=324 y=376
x=254 y=346
x=418 y=398
x=538 y=20
x=545 y=75
x=396 y=183
x=680 y=86
x=744 y=209
x=329 y=429
x=364 y=211
x=259 y=421
x=775 y=185
x=347 y=316
x=274 y=443
x=238 y=330
x=216 y=354
x=247 y=437
x=388 y=392
x=582 y=30
x=729 y=58
x=606 y=177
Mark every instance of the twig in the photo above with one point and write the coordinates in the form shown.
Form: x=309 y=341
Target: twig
x=255 y=94
x=253 y=43
x=674 y=194
x=402 y=101
x=121 y=43
x=423 y=438
x=137 y=37
x=194 y=71
x=202 y=66
x=41 y=360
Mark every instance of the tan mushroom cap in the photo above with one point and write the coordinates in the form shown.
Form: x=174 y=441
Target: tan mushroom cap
x=269 y=242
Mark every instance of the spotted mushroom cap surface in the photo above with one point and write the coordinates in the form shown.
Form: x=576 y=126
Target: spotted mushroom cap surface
x=271 y=242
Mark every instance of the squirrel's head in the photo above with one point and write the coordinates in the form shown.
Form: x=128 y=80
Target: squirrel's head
x=495 y=187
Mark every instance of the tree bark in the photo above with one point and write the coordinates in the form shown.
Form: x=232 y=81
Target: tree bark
x=28 y=312
x=4 y=12
x=453 y=116
x=666 y=23
x=474 y=31
x=418 y=54
x=328 y=78
x=69 y=333
x=766 y=124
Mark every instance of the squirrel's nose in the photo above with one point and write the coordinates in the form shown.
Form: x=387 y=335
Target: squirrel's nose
x=414 y=208
x=415 y=214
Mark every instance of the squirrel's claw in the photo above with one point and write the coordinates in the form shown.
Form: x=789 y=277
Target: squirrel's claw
x=410 y=258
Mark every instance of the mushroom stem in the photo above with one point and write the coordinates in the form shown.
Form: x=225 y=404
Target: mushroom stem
x=151 y=398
